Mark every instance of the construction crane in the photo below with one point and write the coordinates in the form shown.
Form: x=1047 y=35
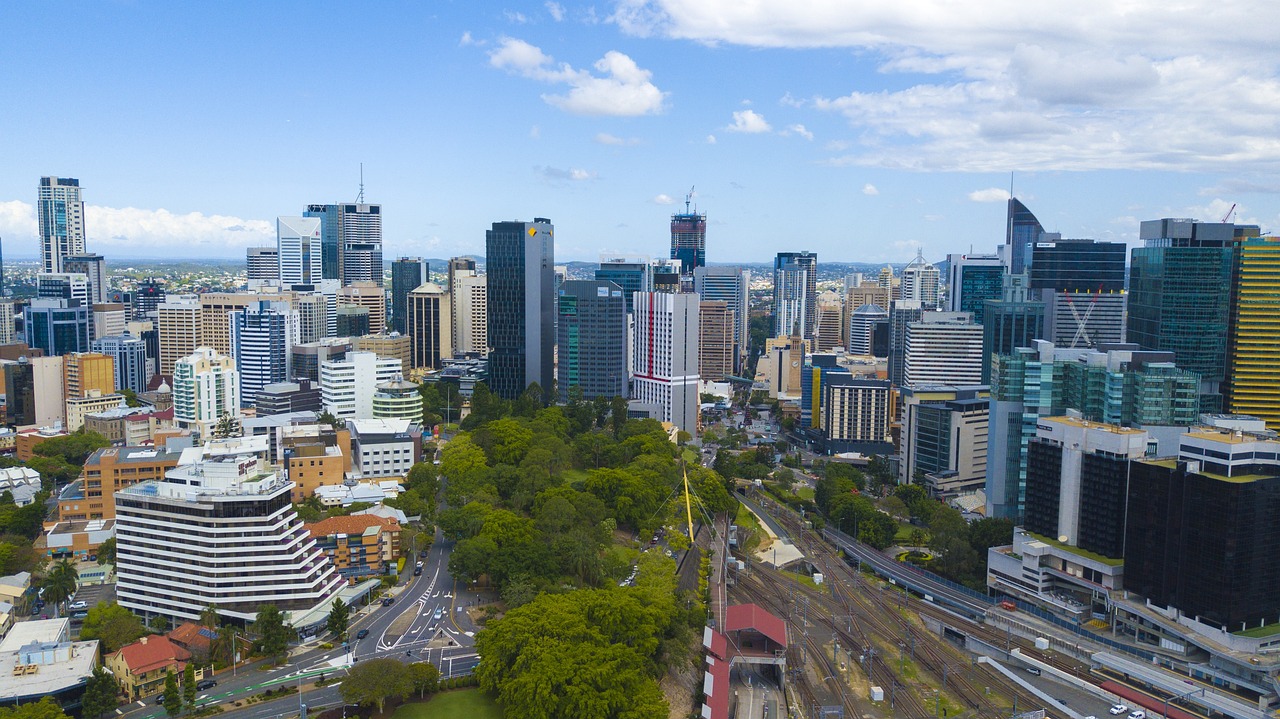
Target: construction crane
x=1232 y=211
x=688 y=199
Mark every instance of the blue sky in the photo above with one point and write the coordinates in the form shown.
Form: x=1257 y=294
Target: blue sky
x=855 y=128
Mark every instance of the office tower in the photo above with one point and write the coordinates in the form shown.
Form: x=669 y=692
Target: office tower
x=57 y=327
x=730 y=285
x=313 y=314
x=632 y=273
x=206 y=387
x=428 y=326
x=689 y=238
x=468 y=296
x=1199 y=530
x=94 y=268
x=1014 y=320
x=795 y=293
x=178 y=327
x=1082 y=284
x=328 y=216
x=360 y=243
x=49 y=380
x=901 y=314
x=943 y=348
x=944 y=438
x=407 y=273
x=298 y=250
x=307 y=357
x=300 y=395
x=371 y=296
x=129 y=358
x=71 y=286
x=61 y=214
x=262 y=337
x=591 y=336
x=1119 y=385
x=665 y=276
x=397 y=399
x=715 y=341
x=920 y=281
x=1254 y=336
x=86 y=373
x=664 y=349
x=456 y=265
x=885 y=279
x=8 y=331
x=262 y=264
x=1084 y=319
x=827 y=335
x=221 y=532
x=393 y=346
x=19 y=393
x=861 y=325
x=2 y=290
x=150 y=336
x=1077 y=482
x=855 y=414
x=974 y=279
x=1022 y=231
x=520 y=261
x=347 y=385
x=353 y=321
x=215 y=315
x=108 y=320
x=146 y=298
x=1180 y=297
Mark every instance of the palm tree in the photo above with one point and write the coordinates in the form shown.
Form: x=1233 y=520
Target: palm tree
x=209 y=617
x=61 y=583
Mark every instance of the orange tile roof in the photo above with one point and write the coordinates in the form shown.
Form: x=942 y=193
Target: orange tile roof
x=190 y=634
x=354 y=524
x=153 y=652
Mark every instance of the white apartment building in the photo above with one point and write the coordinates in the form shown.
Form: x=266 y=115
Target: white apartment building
x=384 y=447
x=470 y=312
x=298 y=245
x=347 y=385
x=664 y=357
x=60 y=211
x=178 y=326
x=222 y=531
x=206 y=386
x=944 y=348
x=7 y=325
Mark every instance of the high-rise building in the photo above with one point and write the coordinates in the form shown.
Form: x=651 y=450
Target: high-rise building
x=520 y=267
x=901 y=314
x=393 y=346
x=146 y=298
x=861 y=325
x=591 y=337
x=856 y=413
x=313 y=314
x=206 y=387
x=360 y=243
x=108 y=319
x=730 y=285
x=19 y=393
x=221 y=532
x=216 y=309
x=48 y=379
x=298 y=247
x=61 y=214
x=1077 y=265
x=921 y=281
x=262 y=338
x=397 y=399
x=353 y=321
x=178 y=327
x=301 y=395
x=8 y=329
x=428 y=326
x=309 y=356
x=974 y=279
x=407 y=273
x=58 y=326
x=458 y=264
x=827 y=332
x=664 y=349
x=371 y=296
x=70 y=286
x=715 y=340
x=347 y=385
x=689 y=239
x=86 y=373
x=943 y=348
x=1180 y=297
x=795 y=293
x=1022 y=231
x=944 y=438
x=129 y=357
x=1084 y=319
x=1254 y=338
x=632 y=273
x=1012 y=320
x=94 y=268
x=328 y=216
x=262 y=263
x=468 y=294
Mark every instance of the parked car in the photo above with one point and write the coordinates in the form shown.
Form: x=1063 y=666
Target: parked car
x=79 y=604
x=417 y=571
x=205 y=684
x=1119 y=709
x=1137 y=714
x=362 y=634
x=79 y=615
x=1033 y=670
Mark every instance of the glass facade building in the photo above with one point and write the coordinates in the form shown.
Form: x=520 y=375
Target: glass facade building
x=592 y=339
x=520 y=282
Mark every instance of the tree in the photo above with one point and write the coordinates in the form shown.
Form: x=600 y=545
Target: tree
x=327 y=418
x=111 y=624
x=100 y=694
x=339 y=617
x=425 y=678
x=130 y=397
x=189 y=684
x=374 y=681
x=158 y=624
x=990 y=532
x=46 y=708
x=209 y=617
x=273 y=633
x=227 y=426
x=107 y=552
x=172 y=697
x=61 y=582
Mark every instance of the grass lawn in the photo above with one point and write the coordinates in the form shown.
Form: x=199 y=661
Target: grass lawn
x=470 y=703
x=805 y=493
x=1260 y=632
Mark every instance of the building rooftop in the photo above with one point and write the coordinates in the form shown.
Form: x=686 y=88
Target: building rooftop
x=48 y=668
x=43 y=631
x=357 y=524
x=135 y=454
x=1099 y=426
x=152 y=652
x=380 y=426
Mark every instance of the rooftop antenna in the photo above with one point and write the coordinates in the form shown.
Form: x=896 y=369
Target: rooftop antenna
x=688 y=199
x=360 y=197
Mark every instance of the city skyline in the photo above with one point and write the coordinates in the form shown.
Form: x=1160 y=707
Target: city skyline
x=909 y=120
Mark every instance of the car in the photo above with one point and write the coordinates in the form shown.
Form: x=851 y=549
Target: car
x=79 y=615
x=205 y=684
x=1119 y=709
x=1032 y=670
x=1137 y=714
x=388 y=601
x=438 y=613
x=79 y=604
x=35 y=611
x=160 y=699
x=417 y=572
x=362 y=634
x=40 y=603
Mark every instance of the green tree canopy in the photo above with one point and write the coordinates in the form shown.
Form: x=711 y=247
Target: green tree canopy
x=373 y=681
x=113 y=625
x=272 y=632
x=100 y=694
x=424 y=677
x=339 y=618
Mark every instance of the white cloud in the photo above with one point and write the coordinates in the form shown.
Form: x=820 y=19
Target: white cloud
x=790 y=101
x=556 y=10
x=1092 y=84
x=749 y=121
x=605 y=138
x=664 y=199
x=518 y=18
x=991 y=194
x=466 y=39
x=798 y=129
x=572 y=174
x=870 y=189
x=621 y=89
x=535 y=132
x=711 y=139
x=18 y=219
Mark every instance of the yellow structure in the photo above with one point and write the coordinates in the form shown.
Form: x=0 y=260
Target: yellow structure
x=1254 y=340
x=87 y=372
x=395 y=347
x=358 y=545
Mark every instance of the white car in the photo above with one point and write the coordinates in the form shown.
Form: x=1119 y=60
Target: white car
x=1137 y=714
x=1119 y=709
x=79 y=605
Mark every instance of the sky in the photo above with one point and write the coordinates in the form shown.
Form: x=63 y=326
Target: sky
x=863 y=130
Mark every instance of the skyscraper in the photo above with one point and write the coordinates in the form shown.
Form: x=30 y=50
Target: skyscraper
x=262 y=338
x=943 y=348
x=1254 y=341
x=456 y=265
x=689 y=238
x=347 y=385
x=328 y=216
x=901 y=314
x=920 y=281
x=298 y=247
x=974 y=279
x=715 y=340
x=731 y=286
x=469 y=303
x=262 y=263
x=1022 y=231
x=94 y=268
x=861 y=323
x=427 y=322
x=664 y=349
x=61 y=213
x=129 y=355
x=592 y=338
x=1014 y=320
x=407 y=273
x=206 y=387
x=520 y=267
x=178 y=327
x=795 y=293
x=360 y=243
x=57 y=326
x=369 y=295
x=631 y=273
x=147 y=298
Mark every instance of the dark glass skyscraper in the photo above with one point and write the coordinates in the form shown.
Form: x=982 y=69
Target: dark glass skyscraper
x=795 y=293
x=406 y=274
x=592 y=336
x=520 y=282
x=328 y=215
x=974 y=279
x=1022 y=230
x=631 y=274
x=1010 y=322
x=1076 y=265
